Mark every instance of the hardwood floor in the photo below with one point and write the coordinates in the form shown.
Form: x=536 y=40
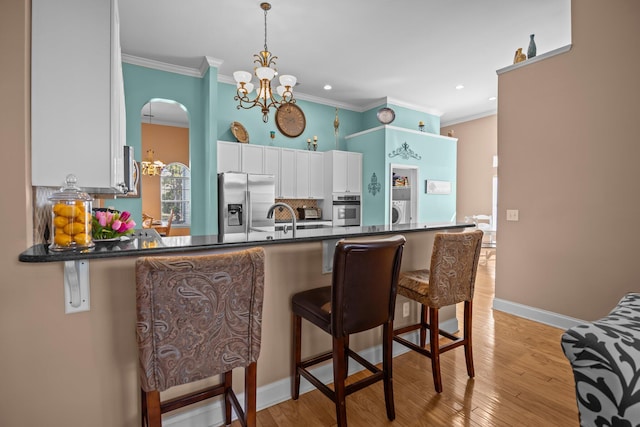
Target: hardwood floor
x=522 y=379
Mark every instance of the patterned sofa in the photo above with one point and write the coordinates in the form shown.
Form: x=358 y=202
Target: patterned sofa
x=605 y=357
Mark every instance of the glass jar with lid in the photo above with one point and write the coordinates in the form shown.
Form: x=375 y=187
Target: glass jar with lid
x=71 y=218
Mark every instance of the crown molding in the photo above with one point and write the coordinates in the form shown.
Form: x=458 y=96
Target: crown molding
x=464 y=119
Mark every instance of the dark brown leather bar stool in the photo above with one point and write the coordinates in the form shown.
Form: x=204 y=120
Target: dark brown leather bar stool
x=450 y=280
x=184 y=332
x=362 y=297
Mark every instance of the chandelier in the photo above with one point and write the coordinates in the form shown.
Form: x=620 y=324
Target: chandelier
x=265 y=97
x=151 y=167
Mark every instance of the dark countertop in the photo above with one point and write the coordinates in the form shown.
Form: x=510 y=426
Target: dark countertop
x=148 y=242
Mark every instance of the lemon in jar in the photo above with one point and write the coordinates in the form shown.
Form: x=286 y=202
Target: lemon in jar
x=82 y=239
x=74 y=228
x=60 y=221
x=62 y=239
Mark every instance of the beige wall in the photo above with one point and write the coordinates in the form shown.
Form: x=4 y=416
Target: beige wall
x=477 y=144
x=569 y=152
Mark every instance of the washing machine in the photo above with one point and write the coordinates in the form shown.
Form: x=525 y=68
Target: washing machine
x=401 y=212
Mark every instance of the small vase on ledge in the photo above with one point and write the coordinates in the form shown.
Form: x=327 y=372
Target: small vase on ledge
x=531 y=51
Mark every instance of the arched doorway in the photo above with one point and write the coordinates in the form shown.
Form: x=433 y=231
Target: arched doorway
x=165 y=141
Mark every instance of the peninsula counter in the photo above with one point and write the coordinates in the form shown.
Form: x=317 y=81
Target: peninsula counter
x=102 y=350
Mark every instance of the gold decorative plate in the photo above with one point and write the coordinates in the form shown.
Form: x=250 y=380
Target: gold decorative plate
x=240 y=132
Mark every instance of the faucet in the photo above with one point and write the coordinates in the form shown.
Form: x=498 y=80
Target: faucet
x=283 y=205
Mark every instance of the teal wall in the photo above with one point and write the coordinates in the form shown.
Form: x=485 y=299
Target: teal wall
x=142 y=84
x=211 y=110
x=319 y=118
x=404 y=118
x=437 y=161
x=438 y=158
x=374 y=202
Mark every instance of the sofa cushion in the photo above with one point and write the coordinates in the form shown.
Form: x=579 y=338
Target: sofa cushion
x=605 y=357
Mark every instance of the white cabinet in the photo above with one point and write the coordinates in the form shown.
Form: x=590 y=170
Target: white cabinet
x=299 y=174
x=343 y=172
x=287 y=173
x=272 y=165
x=309 y=175
x=302 y=174
x=229 y=157
x=316 y=175
x=77 y=95
x=252 y=159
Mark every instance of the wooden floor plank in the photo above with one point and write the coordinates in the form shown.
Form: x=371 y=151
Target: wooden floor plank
x=522 y=379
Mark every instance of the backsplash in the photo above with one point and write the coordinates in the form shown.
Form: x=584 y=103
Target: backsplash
x=283 y=215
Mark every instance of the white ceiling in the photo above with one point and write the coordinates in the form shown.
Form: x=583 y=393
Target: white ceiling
x=414 y=52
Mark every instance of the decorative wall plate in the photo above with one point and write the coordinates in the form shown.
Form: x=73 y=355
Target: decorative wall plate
x=386 y=115
x=240 y=132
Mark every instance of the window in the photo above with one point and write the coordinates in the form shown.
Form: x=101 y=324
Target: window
x=175 y=193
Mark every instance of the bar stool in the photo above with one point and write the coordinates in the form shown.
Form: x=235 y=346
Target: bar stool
x=362 y=296
x=450 y=280
x=198 y=317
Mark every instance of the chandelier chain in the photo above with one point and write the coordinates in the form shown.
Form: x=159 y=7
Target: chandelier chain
x=265 y=31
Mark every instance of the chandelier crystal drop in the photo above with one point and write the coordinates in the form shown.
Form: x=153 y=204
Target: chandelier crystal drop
x=265 y=72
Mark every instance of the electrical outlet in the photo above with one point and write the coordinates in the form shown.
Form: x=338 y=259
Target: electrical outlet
x=512 y=214
x=406 y=309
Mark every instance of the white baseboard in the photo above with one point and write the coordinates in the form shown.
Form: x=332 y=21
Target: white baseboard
x=211 y=415
x=536 y=314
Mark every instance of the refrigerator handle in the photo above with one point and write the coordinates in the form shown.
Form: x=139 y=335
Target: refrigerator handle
x=249 y=210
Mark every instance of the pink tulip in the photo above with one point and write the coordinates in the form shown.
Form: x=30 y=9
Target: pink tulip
x=124 y=216
x=116 y=225
x=102 y=218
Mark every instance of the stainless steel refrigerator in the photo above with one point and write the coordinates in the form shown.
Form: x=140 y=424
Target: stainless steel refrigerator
x=243 y=202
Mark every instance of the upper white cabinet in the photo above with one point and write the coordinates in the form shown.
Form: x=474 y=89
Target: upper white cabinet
x=272 y=165
x=287 y=173
x=299 y=174
x=252 y=158
x=343 y=172
x=77 y=94
x=229 y=157
x=316 y=175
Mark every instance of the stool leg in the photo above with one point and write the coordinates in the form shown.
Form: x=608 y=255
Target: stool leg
x=468 y=349
x=434 y=337
x=143 y=408
x=152 y=404
x=387 y=367
x=423 y=325
x=297 y=355
x=339 y=377
x=250 y=386
x=228 y=384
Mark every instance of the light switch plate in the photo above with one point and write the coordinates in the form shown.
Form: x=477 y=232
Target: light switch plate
x=512 y=214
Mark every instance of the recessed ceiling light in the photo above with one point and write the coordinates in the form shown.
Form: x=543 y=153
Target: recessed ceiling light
x=460 y=87
x=493 y=98
x=327 y=87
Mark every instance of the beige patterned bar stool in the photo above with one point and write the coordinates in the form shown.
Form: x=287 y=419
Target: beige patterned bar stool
x=449 y=280
x=199 y=317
